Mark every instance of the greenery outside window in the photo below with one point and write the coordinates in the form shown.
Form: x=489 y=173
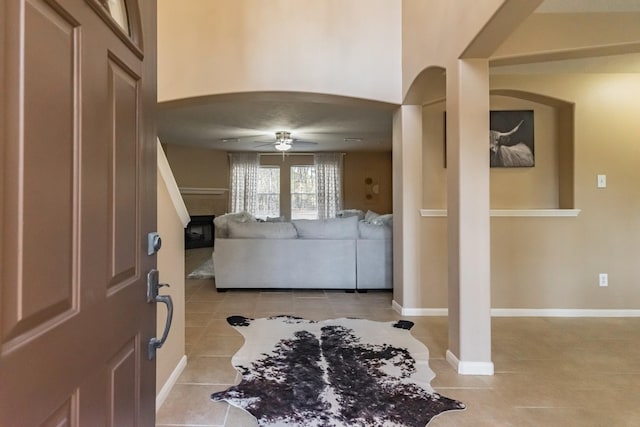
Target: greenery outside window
x=304 y=201
x=268 y=192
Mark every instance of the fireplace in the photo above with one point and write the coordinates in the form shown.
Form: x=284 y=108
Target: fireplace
x=199 y=232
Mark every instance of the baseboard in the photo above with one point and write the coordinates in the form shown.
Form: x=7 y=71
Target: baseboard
x=469 y=368
x=168 y=385
x=418 y=311
x=524 y=312
x=563 y=312
x=396 y=307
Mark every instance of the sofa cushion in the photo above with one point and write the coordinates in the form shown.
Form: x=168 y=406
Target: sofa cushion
x=221 y=222
x=373 y=231
x=332 y=228
x=261 y=230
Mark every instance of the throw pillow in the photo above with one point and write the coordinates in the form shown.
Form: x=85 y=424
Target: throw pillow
x=221 y=222
x=386 y=219
x=350 y=212
x=370 y=216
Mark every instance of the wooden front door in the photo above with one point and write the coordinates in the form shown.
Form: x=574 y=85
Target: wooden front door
x=77 y=194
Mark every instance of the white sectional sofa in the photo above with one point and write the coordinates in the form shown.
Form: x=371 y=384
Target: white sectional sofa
x=339 y=253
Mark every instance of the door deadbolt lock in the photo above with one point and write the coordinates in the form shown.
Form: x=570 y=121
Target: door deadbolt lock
x=154 y=243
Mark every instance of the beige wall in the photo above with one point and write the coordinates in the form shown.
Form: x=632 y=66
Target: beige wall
x=198 y=167
x=435 y=32
x=554 y=262
x=564 y=256
x=171 y=267
x=511 y=188
x=361 y=165
x=346 y=47
x=547 y=34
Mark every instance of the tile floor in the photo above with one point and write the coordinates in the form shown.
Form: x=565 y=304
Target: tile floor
x=549 y=371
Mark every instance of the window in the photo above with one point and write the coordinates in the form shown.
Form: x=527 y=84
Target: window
x=118 y=11
x=268 y=192
x=304 y=202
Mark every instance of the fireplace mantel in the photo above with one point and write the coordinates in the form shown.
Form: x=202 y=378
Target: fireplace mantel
x=203 y=191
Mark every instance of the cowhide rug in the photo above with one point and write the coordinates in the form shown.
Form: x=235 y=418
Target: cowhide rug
x=342 y=372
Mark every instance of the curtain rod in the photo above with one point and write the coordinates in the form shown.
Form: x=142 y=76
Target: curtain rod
x=286 y=153
x=296 y=153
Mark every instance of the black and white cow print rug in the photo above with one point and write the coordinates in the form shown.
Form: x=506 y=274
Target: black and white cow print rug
x=342 y=372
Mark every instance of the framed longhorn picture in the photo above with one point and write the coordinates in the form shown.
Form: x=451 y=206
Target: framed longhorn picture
x=511 y=139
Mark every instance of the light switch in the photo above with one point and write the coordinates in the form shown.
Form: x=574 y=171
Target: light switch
x=602 y=181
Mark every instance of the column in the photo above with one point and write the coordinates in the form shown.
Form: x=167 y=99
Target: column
x=407 y=198
x=468 y=217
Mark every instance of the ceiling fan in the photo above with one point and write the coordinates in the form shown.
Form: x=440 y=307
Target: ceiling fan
x=284 y=142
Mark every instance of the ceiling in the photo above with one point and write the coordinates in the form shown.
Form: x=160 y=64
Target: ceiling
x=588 y=6
x=248 y=122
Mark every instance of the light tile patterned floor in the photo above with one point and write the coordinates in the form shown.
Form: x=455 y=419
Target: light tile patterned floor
x=549 y=371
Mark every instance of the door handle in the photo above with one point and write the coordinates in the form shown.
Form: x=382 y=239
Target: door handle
x=153 y=288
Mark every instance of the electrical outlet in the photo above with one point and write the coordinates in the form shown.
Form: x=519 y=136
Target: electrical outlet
x=602 y=181
x=603 y=279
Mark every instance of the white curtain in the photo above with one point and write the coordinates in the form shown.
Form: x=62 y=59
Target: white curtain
x=244 y=182
x=329 y=183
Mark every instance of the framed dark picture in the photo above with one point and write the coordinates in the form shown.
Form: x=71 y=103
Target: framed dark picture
x=511 y=139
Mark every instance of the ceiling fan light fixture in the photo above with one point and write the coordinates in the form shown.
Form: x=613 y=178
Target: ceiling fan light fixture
x=283 y=141
x=283 y=137
x=283 y=146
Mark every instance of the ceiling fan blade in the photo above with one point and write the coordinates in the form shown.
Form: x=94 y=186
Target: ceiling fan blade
x=303 y=143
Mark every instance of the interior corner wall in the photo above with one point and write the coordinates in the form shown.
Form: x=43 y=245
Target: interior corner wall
x=543 y=263
x=359 y=166
x=201 y=168
x=434 y=172
x=171 y=266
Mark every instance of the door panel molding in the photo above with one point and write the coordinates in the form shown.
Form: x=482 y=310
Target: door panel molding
x=66 y=415
x=124 y=224
x=123 y=370
x=33 y=203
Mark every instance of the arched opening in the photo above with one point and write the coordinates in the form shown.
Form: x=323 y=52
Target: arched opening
x=421 y=243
